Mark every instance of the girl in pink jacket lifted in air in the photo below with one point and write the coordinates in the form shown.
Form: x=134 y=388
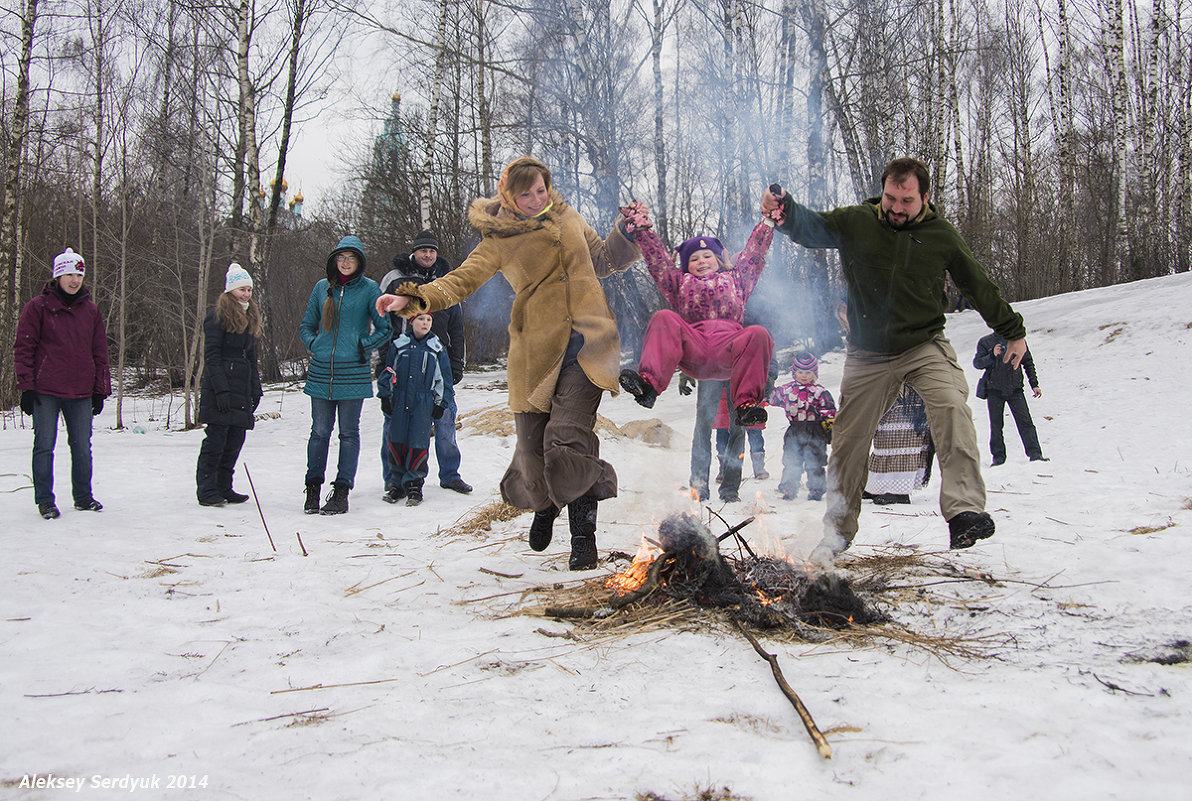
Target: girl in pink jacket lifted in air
x=703 y=333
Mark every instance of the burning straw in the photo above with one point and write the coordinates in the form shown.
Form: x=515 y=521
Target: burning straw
x=684 y=581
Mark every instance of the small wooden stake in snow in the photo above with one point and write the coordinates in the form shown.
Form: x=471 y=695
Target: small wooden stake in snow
x=817 y=737
x=262 y=514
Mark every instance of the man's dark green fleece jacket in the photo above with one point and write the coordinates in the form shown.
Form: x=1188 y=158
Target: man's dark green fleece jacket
x=895 y=276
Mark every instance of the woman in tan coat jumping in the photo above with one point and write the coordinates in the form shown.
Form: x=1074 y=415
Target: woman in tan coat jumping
x=564 y=350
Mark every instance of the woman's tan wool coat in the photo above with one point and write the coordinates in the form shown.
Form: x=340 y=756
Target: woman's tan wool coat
x=553 y=262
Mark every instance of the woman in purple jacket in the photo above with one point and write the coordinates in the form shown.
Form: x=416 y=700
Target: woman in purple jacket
x=61 y=357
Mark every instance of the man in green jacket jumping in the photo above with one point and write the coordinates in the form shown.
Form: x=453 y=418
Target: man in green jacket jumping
x=895 y=252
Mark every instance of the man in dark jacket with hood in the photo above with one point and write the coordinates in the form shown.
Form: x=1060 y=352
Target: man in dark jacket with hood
x=422 y=265
x=896 y=252
x=1001 y=386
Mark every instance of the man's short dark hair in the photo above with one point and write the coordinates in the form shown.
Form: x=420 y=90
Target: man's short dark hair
x=899 y=169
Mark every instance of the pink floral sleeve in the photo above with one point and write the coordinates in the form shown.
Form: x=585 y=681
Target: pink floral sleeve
x=747 y=270
x=660 y=263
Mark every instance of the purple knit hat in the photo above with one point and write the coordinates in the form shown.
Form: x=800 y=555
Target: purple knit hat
x=699 y=243
x=805 y=360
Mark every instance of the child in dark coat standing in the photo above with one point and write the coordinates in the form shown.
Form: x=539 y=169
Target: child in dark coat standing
x=61 y=363
x=231 y=387
x=811 y=411
x=415 y=388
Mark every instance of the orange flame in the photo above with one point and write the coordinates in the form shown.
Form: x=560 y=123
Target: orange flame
x=633 y=577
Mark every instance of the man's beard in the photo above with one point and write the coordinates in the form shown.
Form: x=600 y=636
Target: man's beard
x=896 y=221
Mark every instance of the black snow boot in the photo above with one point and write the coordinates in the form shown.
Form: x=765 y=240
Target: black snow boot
x=542 y=528
x=966 y=528
x=413 y=494
x=581 y=514
x=311 y=507
x=337 y=500
x=639 y=388
x=231 y=496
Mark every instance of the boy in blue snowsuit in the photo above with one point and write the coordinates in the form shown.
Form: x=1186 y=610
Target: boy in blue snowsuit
x=414 y=388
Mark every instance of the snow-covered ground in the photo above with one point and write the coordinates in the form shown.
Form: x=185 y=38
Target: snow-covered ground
x=159 y=641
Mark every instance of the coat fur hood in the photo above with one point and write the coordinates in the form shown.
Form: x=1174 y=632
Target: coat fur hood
x=490 y=218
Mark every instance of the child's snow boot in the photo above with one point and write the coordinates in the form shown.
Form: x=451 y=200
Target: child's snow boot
x=639 y=388
x=337 y=501
x=581 y=514
x=413 y=494
x=542 y=528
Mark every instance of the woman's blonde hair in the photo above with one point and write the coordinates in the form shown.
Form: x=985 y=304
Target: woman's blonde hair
x=235 y=319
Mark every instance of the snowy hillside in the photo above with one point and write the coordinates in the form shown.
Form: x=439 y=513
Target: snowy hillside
x=158 y=640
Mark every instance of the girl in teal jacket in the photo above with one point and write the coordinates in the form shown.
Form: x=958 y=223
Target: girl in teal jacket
x=336 y=331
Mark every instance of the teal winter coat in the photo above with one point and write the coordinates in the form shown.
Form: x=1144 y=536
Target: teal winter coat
x=339 y=368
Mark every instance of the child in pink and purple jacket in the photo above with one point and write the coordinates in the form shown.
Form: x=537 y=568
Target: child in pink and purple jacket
x=811 y=411
x=703 y=333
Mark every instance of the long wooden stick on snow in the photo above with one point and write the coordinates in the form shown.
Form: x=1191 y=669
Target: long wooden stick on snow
x=257 y=500
x=817 y=737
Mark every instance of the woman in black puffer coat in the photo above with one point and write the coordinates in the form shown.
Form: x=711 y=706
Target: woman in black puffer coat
x=231 y=387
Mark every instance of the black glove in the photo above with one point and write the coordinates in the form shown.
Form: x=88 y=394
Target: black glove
x=686 y=384
x=223 y=402
x=437 y=412
x=386 y=407
x=96 y=404
x=28 y=401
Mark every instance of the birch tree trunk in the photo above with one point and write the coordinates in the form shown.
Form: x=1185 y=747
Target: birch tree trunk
x=207 y=228
x=9 y=224
x=954 y=109
x=261 y=237
x=1059 y=100
x=483 y=103
x=1115 y=58
x=656 y=33
x=1152 y=232
x=815 y=22
x=436 y=94
x=99 y=39
x=1183 y=195
x=939 y=133
x=243 y=185
x=121 y=292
